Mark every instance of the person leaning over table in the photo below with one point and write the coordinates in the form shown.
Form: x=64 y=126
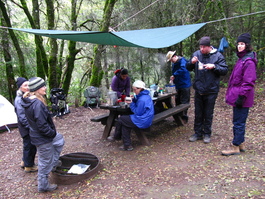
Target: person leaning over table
x=43 y=133
x=121 y=82
x=181 y=79
x=240 y=91
x=143 y=112
x=209 y=65
x=29 y=150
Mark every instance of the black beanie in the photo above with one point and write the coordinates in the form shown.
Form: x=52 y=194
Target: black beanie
x=35 y=83
x=245 y=37
x=205 y=41
x=20 y=81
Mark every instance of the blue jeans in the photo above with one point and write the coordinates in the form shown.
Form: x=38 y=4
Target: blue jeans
x=239 y=121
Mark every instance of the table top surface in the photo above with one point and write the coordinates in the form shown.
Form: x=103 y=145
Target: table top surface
x=121 y=108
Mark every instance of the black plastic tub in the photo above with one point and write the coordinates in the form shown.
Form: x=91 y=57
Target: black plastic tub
x=60 y=175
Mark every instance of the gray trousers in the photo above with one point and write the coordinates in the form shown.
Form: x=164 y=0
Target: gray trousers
x=48 y=155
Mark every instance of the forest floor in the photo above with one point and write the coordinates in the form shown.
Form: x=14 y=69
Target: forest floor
x=172 y=167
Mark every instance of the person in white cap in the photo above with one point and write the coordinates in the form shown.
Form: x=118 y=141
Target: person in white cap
x=43 y=133
x=181 y=79
x=143 y=112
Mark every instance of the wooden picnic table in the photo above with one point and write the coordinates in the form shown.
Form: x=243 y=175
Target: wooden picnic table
x=162 y=103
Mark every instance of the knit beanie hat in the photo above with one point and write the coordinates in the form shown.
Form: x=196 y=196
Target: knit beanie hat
x=205 y=41
x=20 y=81
x=35 y=83
x=245 y=37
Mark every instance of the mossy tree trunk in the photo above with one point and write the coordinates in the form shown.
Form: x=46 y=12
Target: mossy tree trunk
x=97 y=71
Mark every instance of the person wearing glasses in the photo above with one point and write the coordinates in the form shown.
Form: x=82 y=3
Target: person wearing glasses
x=121 y=82
x=143 y=112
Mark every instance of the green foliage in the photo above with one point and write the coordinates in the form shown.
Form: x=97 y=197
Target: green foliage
x=146 y=64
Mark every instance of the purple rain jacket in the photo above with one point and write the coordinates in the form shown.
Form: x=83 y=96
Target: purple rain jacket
x=119 y=85
x=242 y=80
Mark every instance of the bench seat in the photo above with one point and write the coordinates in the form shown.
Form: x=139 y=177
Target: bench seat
x=100 y=118
x=160 y=117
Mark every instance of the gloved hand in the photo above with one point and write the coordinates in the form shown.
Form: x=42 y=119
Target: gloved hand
x=239 y=101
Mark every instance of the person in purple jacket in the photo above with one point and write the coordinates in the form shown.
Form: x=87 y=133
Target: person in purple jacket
x=240 y=92
x=121 y=82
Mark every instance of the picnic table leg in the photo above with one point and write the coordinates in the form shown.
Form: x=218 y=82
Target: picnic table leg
x=176 y=117
x=109 y=124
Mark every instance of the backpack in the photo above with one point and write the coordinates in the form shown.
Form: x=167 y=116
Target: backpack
x=58 y=100
x=92 y=95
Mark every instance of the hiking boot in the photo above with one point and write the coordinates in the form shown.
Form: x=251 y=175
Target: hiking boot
x=52 y=187
x=31 y=169
x=58 y=164
x=195 y=137
x=207 y=139
x=232 y=150
x=242 y=147
x=126 y=148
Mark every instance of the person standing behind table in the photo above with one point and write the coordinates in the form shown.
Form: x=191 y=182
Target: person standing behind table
x=29 y=150
x=181 y=79
x=209 y=65
x=43 y=133
x=143 y=112
x=121 y=82
x=240 y=91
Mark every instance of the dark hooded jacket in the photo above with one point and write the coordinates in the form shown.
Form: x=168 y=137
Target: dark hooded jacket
x=207 y=81
x=23 y=124
x=42 y=128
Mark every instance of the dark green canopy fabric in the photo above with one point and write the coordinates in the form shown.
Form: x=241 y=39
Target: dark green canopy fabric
x=145 y=38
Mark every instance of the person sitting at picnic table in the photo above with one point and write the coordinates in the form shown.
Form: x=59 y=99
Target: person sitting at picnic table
x=121 y=82
x=143 y=112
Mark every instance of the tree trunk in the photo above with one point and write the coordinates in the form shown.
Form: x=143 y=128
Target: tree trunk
x=52 y=75
x=21 y=60
x=97 y=72
x=9 y=67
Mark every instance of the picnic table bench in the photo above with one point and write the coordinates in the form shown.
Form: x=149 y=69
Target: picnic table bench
x=108 y=119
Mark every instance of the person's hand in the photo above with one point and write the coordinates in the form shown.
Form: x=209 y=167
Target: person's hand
x=194 y=60
x=239 y=101
x=209 y=66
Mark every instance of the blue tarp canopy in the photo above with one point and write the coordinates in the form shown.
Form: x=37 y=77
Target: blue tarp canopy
x=145 y=38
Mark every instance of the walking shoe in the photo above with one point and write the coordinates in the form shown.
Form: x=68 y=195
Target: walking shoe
x=232 y=150
x=31 y=169
x=52 y=187
x=242 y=147
x=111 y=138
x=207 y=139
x=126 y=148
x=58 y=164
x=195 y=137
x=22 y=164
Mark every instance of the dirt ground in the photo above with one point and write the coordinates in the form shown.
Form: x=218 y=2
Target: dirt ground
x=172 y=167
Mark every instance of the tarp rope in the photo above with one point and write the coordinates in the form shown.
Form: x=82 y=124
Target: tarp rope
x=254 y=13
x=135 y=14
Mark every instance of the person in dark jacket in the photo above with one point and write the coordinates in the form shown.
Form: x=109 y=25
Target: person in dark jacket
x=240 y=91
x=121 y=82
x=43 y=133
x=29 y=150
x=181 y=79
x=143 y=112
x=208 y=65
